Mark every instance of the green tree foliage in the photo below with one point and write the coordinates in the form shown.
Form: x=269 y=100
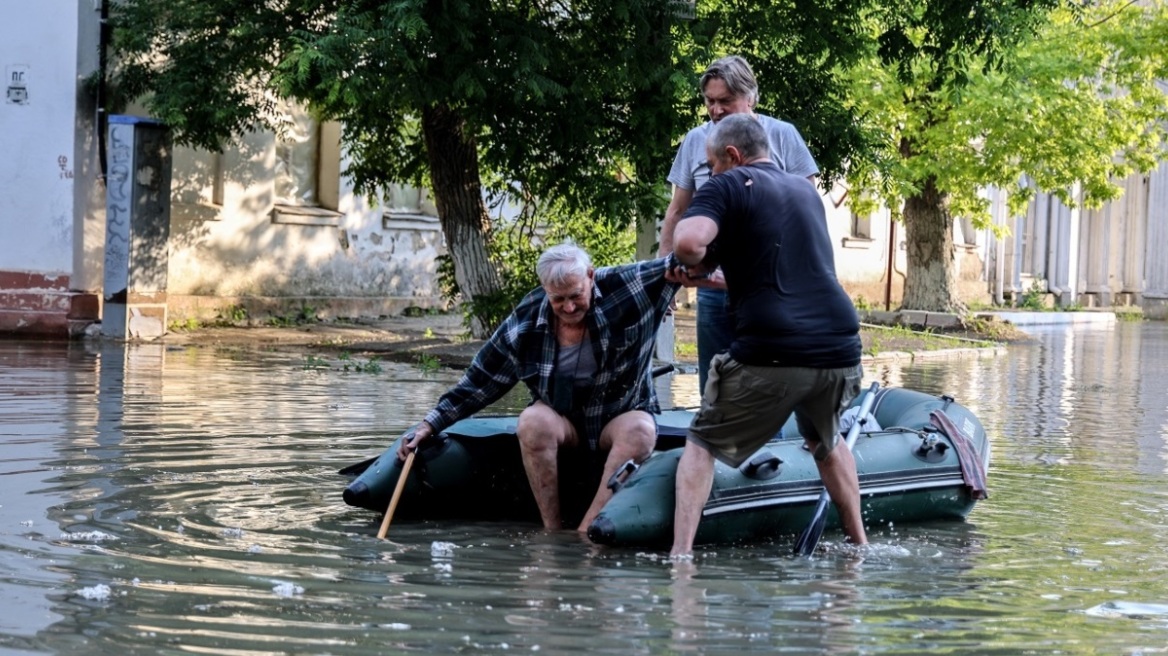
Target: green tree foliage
x=578 y=102
x=516 y=247
x=544 y=89
x=1095 y=81
x=570 y=101
x=923 y=54
x=799 y=52
x=1020 y=95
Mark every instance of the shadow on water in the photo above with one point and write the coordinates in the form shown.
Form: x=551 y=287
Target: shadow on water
x=177 y=501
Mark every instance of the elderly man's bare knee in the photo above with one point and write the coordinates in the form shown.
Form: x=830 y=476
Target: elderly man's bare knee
x=639 y=443
x=633 y=434
x=540 y=427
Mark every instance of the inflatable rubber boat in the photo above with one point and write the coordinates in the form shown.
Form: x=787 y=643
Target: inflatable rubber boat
x=926 y=461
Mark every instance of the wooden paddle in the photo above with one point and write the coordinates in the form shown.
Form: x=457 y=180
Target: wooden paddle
x=401 y=483
x=810 y=536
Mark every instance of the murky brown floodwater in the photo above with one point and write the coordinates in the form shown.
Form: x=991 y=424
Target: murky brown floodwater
x=161 y=501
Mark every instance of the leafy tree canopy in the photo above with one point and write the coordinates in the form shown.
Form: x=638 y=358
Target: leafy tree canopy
x=1072 y=108
x=1019 y=94
x=575 y=104
x=579 y=101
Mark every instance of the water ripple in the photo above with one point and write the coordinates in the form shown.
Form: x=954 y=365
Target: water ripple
x=162 y=501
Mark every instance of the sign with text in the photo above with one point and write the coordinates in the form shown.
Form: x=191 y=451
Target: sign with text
x=16 y=83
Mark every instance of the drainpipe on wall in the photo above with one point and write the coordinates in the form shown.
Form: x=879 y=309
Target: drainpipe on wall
x=1073 y=245
x=101 y=120
x=999 y=250
x=891 y=260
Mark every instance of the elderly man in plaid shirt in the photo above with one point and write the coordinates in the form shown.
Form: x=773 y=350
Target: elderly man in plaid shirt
x=582 y=343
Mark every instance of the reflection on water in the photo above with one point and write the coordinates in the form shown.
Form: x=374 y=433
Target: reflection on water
x=166 y=501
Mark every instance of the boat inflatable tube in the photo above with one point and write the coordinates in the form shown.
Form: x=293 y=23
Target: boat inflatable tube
x=909 y=471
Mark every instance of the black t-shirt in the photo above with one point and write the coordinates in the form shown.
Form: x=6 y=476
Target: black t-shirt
x=776 y=254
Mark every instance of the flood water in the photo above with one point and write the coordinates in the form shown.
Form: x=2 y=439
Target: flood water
x=177 y=501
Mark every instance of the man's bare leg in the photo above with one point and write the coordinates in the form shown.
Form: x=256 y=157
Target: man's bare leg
x=695 y=478
x=542 y=431
x=838 y=472
x=629 y=436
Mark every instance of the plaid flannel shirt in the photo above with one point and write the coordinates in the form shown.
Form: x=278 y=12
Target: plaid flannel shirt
x=629 y=303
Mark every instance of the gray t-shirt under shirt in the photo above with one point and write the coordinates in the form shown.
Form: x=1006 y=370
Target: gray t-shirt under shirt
x=691 y=168
x=577 y=362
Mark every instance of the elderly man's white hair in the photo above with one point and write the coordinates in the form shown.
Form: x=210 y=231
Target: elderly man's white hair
x=562 y=262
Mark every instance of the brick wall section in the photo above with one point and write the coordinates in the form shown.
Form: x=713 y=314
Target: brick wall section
x=39 y=305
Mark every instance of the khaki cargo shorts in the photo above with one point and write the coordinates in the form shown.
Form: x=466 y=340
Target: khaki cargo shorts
x=744 y=406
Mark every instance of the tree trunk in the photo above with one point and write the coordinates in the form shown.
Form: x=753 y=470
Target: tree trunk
x=930 y=281
x=454 y=176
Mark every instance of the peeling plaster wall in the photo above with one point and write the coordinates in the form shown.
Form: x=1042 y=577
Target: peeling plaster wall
x=244 y=246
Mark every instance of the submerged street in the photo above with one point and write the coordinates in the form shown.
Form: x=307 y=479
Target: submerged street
x=169 y=499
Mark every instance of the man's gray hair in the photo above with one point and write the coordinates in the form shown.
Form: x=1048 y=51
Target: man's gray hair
x=736 y=73
x=742 y=131
x=562 y=262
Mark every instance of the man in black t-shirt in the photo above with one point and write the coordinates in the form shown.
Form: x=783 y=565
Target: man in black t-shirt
x=796 y=345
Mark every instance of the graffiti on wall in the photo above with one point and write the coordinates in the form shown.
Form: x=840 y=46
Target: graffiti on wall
x=117 y=228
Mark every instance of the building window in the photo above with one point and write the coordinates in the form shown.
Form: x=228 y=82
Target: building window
x=217 y=173
x=297 y=160
x=861 y=227
x=859 y=232
x=968 y=232
x=307 y=172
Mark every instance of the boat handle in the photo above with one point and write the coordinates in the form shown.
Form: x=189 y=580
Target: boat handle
x=763 y=466
x=931 y=448
x=622 y=474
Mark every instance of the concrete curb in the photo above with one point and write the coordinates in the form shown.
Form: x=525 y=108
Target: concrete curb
x=1023 y=319
x=893 y=357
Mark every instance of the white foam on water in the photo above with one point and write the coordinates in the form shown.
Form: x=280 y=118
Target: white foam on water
x=88 y=536
x=1129 y=610
x=442 y=549
x=286 y=589
x=99 y=592
x=885 y=549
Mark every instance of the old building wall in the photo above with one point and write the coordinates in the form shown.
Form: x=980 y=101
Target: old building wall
x=46 y=124
x=256 y=228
